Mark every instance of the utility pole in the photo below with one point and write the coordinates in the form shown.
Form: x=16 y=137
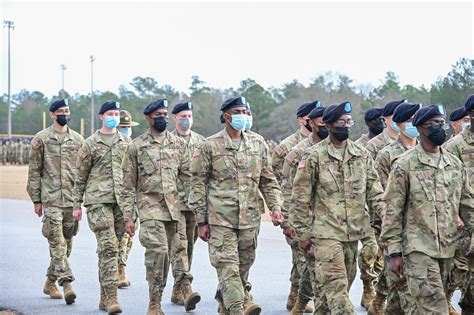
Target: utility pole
x=10 y=26
x=63 y=68
x=92 y=94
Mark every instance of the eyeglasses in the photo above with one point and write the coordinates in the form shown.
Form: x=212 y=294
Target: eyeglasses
x=342 y=123
x=437 y=125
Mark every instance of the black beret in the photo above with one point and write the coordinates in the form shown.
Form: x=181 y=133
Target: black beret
x=182 y=106
x=317 y=112
x=458 y=114
x=390 y=107
x=373 y=113
x=469 y=105
x=426 y=113
x=150 y=108
x=306 y=108
x=404 y=112
x=57 y=105
x=334 y=112
x=109 y=105
x=233 y=102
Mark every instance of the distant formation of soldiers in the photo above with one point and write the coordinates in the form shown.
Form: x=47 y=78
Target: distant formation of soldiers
x=403 y=193
x=14 y=151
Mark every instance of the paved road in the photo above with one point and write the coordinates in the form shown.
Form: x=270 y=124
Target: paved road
x=24 y=259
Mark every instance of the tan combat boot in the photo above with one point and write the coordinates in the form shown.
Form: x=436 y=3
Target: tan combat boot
x=449 y=295
x=69 y=294
x=190 y=298
x=292 y=297
x=301 y=307
x=154 y=306
x=103 y=299
x=378 y=305
x=177 y=295
x=51 y=289
x=112 y=306
x=122 y=278
x=368 y=295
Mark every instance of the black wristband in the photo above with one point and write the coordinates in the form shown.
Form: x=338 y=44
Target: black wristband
x=395 y=255
x=37 y=202
x=202 y=223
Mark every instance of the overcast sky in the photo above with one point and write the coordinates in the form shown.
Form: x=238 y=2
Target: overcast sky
x=225 y=43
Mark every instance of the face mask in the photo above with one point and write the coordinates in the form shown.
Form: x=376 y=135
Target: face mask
x=248 y=122
x=127 y=132
x=111 y=121
x=160 y=123
x=410 y=131
x=394 y=126
x=307 y=126
x=377 y=128
x=436 y=136
x=63 y=119
x=322 y=132
x=465 y=126
x=341 y=133
x=185 y=123
x=238 y=121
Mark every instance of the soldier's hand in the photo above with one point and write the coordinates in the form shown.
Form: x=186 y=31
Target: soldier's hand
x=459 y=223
x=305 y=245
x=77 y=214
x=38 y=209
x=277 y=217
x=203 y=232
x=396 y=266
x=130 y=227
x=289 y=232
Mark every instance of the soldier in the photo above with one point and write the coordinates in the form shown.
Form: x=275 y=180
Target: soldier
x=308 y=286
x=334 y=182
x=3 y=152
x=278 y=158
x=463 y=147
x=228 y=171
x=459 y=120
x=419 y=225
x=182 y=253
x=399 y=300
x=50 y=183
x=375 y=124
x=125 y=128
x=389 y=134
x=98 y=184
x=154 y=162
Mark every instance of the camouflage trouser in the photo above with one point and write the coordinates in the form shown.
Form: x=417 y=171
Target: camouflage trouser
x=367 y=258
x=157 y=237
x=294 y=274
x=232 y=253
x=427 y=279
x=299 y=276
x=399 y=300
x=382 y=285
x=460 y=272
x=182 y=251
x=335 y=269
x=59 y=227
x=106 y=221
x=320 y=303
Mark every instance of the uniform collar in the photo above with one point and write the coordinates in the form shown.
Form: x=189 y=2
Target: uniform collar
x=52 y=134
x=229 y=144
x=426 y=159
x=119 y=138
x=350 y=151
x=165 y=140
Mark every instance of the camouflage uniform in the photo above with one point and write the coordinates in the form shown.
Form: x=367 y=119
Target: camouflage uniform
x=3 y=153
x=50 y=182
x=224 y=193
x=152 y=167
x=422 y=203
x=335 y=190
x=363 y=140
x=463 y=147
x=187 y=228
x=378 y=142
x=99 y=180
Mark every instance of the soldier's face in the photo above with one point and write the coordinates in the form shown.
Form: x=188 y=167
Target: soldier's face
x=61 y=111
x=316 y=123
x=112 y=112
x=234 y=111
x=160 y=112
x=183 y=115
x=457 y=125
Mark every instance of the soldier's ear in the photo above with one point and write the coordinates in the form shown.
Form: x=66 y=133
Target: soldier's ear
x=51 y=114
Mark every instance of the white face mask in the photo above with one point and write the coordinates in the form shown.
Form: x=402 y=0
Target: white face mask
x=465 y=126
x=127 y=132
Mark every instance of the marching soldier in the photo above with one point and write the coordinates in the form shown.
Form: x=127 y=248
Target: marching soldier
x=375 y=125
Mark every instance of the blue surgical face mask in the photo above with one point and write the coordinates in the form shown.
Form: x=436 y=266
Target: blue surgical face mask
x=112 y=121
x=185 y=123
x=238 y=121
x=411 y=131
x=465 y=126
x=394 y=126
x=248 y=122
x=127 y=132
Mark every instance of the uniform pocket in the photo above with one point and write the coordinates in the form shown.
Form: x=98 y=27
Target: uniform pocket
x=417 y=279
x=99 y=219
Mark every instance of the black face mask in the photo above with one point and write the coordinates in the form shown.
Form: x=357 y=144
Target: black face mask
x=322 y=132
x=341 y=133
x=307 y=126
x=63 y=119
x=377 y=128
x=160 y=123
x=436 y=136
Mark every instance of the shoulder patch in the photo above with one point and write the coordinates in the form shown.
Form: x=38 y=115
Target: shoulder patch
x=301 y=164
x=278 y=150
x=290 y=158
x=34 y=143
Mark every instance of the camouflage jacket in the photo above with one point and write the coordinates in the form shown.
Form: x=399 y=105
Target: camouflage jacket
x=363 y=140
x=52 y=167
x=261 y=201
x=99 y=176
x=336 y=191
x=378 y=142
x=226 y=181
x=422 y=203
x=281 y=150
x=192 y=141
x=152 y=167
x=289 y=170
